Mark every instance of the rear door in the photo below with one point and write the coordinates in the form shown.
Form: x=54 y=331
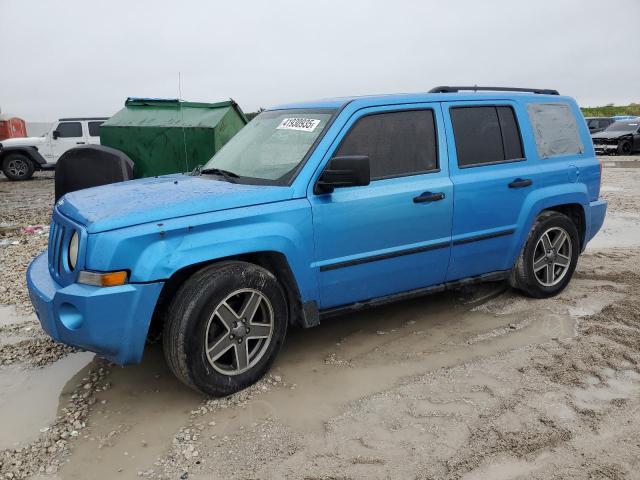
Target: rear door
x=94 y=131
x=491 y=177
x=394 y=234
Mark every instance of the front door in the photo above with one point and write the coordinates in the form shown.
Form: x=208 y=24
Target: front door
x=393 y=235
x=69 y=135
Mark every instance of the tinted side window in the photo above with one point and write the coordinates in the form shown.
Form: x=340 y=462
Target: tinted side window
x=94 y=129
x=397 y=143
x=510 y=133
x=555 y=129
x=69 y=129
x=485 y=134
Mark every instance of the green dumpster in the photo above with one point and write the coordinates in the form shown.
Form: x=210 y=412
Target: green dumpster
x=169 y=136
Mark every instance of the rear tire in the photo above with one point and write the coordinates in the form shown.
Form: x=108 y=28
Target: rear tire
x=225 y=327
x=549 y=257
x=17 y=167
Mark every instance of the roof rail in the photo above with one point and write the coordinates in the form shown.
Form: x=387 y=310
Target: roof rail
x=475 y=88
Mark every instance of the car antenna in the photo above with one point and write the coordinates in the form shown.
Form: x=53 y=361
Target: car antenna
x=184 y=134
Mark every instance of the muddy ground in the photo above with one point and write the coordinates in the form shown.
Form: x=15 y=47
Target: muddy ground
x=479 y=383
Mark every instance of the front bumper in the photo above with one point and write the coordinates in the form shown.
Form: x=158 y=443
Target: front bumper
x=606 y=148
x=111 y=321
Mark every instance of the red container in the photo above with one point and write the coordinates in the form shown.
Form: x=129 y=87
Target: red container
x=12 y=128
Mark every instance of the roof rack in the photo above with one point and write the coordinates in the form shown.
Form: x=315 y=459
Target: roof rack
x=81 y=118
x=475 y=88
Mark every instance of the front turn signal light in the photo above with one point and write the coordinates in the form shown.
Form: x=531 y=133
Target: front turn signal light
x=108 y=279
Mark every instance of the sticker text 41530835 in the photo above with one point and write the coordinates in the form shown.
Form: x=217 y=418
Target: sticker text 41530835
x=302 y=124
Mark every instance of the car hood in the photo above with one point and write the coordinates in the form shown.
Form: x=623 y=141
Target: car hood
x=22 y=141
x=146 y=200
x=606 y=134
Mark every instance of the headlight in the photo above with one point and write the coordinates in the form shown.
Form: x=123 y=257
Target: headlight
x=73 y=251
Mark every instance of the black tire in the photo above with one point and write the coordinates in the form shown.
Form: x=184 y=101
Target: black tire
x=624 y=148
x=524 y=276
x=191 y=312
x=17 y=166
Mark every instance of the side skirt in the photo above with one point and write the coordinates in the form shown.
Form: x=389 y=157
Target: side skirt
x=311 y=308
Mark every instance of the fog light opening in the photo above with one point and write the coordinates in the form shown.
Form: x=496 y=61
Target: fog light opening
x=70 y=316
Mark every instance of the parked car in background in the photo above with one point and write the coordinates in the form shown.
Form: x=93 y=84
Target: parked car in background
x=20 y=157
x=617 y=118
x=319 y=208
x=621 y=137
x=598 y=124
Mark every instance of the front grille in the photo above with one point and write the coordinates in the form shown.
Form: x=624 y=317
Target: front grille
x=60 y=233
x=605 y=141
x=56 y=235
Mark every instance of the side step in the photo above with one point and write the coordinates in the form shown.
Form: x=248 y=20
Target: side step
x=441 y=287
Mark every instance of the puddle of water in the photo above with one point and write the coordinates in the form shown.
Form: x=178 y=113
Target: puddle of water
x=506 y=469
x=144 y=408
x=30 y=397
x=617 y=385
x=618 y=231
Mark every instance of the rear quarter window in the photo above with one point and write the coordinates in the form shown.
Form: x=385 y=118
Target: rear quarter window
x=555 y=129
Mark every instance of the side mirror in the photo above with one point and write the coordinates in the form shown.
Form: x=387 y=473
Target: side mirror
x=56 y=134
x=345 y=171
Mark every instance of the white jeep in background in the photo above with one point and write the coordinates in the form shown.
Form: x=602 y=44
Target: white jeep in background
x=20 y=157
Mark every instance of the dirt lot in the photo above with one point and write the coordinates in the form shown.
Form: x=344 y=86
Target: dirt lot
x=480 y=383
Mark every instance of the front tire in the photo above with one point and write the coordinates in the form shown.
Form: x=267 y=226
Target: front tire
x=225 y=327
x=549 y=257
x=625 y=148
x=17 y=167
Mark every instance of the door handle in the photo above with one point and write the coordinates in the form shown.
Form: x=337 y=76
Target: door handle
x=520 y=183
x=428 y=197
x=79 y=143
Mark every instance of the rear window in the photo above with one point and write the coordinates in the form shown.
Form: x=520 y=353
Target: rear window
x=94 y=129
x=555 y=129
x=486 y=135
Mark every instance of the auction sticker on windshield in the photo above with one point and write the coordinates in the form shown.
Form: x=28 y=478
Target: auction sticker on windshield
x=303 y=124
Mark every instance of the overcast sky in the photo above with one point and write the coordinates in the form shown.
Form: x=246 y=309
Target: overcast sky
x=83 y=58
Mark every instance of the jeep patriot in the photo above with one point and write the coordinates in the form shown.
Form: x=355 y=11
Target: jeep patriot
x=318 y=208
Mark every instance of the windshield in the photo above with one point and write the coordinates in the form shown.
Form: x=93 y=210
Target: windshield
x=624 y=127
x=272 y=145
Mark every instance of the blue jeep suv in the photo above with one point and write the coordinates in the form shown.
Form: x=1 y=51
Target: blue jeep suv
x=319 y=208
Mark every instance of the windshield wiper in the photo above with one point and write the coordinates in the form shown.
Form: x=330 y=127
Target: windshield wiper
x=228 y=176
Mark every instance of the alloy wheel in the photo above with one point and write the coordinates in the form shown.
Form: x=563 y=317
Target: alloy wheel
x=17 y=167
x=552 y=256
x=239 y=331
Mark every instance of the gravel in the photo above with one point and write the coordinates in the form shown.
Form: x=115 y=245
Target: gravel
x=25 y=204
x=36 y=352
